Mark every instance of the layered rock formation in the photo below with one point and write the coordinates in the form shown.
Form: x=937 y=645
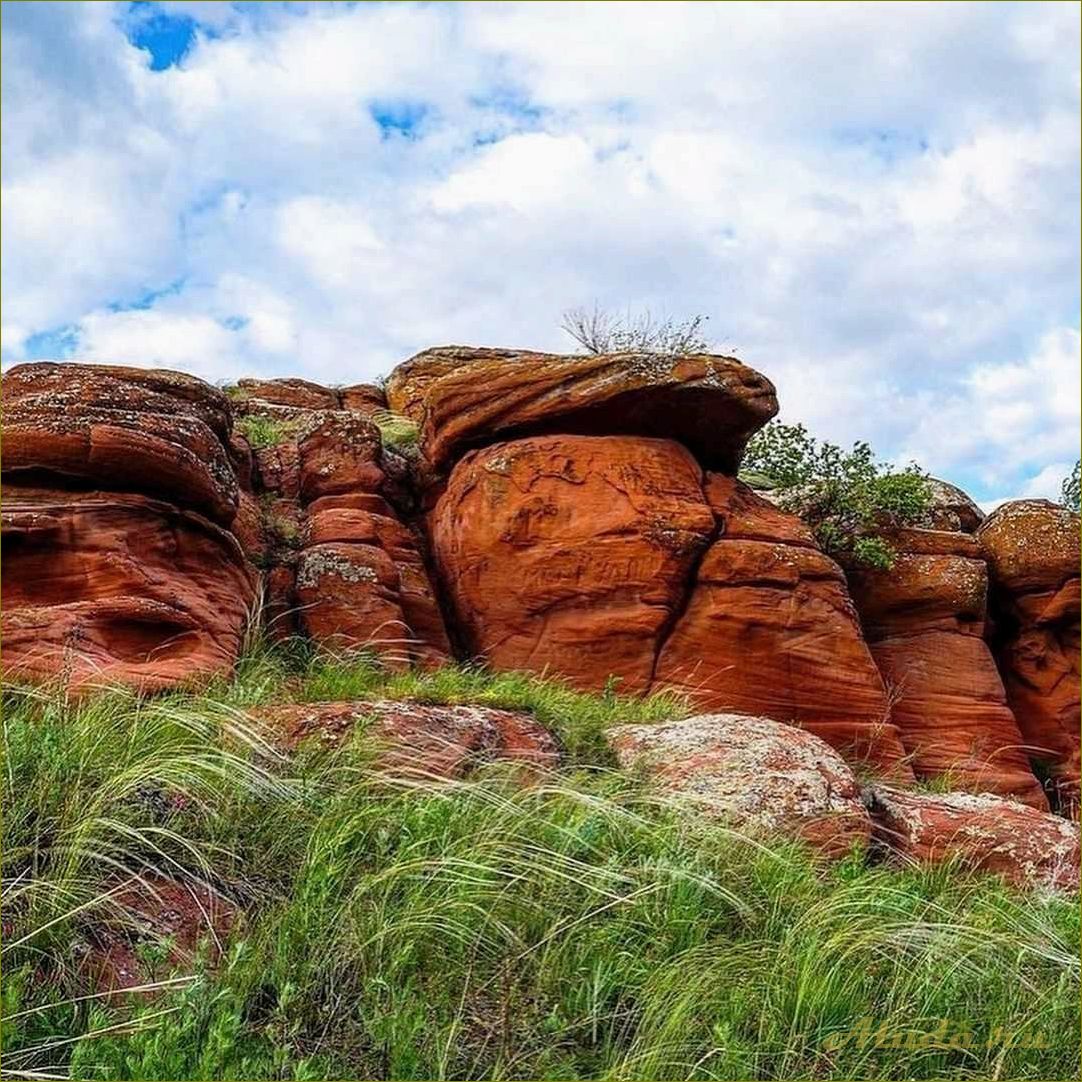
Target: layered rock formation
x=596 y=550
x=1032 y=547
x=341 y=565
x=573 y=516
x=925 y=621
x=118 y=494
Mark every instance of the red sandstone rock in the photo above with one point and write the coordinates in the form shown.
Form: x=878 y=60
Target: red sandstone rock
x=157 y=909
x=569 y=554
x=462 y=397
x=105 y=587
x=769 y=629
x=1033 y=554
x=582 y=556
x=924 y=621
x=759 y=776
x=417 y=739
x=338 y=452
x=1027 y=847
x=300 y=393
x=158 y=433
x=420 y=611
x=364 y=398
x=349 y=596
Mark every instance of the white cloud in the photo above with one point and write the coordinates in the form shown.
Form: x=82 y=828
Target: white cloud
x=878 y=204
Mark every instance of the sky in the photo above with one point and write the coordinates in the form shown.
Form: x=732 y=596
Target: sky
x=876 y=205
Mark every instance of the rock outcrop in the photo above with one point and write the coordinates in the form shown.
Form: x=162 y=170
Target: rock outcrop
x=1032 y=547
x=577 y=516
x=463 y=397
x=759 y=777
x=924 y=620
x=601 y=556
x=118 y=496
x=418 y=740
x=981 y=831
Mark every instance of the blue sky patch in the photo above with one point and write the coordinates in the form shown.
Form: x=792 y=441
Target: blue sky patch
x=401 y=117
x=55 y=344
x=167 y=37
x=149 y=297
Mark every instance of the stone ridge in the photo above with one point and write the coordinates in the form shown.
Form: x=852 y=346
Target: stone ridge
x=575 y=516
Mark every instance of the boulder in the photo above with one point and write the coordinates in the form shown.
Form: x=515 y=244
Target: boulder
x=299 y=393
x=419 y=739
x=596 y=557
x=158 y=433
x=187 y=916
x=569 y=554
x=464 y=398
x=364 y=398
x=951 y=508
x=757 y=775
x=924 y=620
x=768 y=628
x=113 y=587
x=1032 y=547
x=982 y=831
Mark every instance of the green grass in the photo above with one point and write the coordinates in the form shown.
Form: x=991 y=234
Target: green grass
x=396 y=431
x=575 y=928
x=263 y=430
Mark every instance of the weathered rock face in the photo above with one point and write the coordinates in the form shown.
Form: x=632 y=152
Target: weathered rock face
x=1027 y=847
x=768 y=628
x=100 y=581
x=419 y=740
x=344 y=568
x=464 y=397
x=601 y=556
x=570 y=553
x=158 y=433
x=757 y=775
x=924 y=620
x=1032 y=547
x=104 y=587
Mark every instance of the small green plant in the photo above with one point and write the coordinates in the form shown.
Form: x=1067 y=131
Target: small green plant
x=263 y=430
x=848 y=498
x=1071 y=490
x=396 y=431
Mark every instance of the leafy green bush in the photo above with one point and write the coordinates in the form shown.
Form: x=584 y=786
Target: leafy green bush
x=847 y=497
x=1071 y=491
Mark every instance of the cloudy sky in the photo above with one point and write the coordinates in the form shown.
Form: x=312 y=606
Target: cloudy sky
x=877 y=205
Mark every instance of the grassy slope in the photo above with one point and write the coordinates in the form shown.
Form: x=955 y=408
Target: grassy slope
x=574 y=929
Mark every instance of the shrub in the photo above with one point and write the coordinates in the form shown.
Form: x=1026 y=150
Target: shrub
x=599 y=331
x=1070 y=494
x=847 y=497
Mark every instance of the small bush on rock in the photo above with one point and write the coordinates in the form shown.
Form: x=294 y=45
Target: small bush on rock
x=1070 y=493
x=847 y=497
x=599 y=331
